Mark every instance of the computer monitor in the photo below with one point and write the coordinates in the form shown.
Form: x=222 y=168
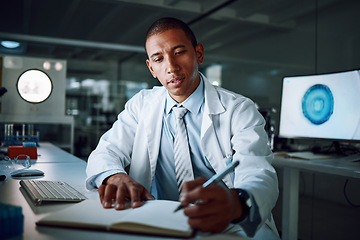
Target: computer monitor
x=323 y=106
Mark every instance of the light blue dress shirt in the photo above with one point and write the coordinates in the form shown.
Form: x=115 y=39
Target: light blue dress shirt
x=164 y=185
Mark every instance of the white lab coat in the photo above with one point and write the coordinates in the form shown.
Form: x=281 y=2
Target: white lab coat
x=231 y=125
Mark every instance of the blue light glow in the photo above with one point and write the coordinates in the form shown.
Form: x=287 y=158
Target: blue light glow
x=10 y=44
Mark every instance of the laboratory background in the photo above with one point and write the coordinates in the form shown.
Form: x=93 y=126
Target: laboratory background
x=88 y=57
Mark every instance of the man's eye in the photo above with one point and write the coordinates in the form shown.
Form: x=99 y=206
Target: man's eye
x=179 y=52
x=157 y=59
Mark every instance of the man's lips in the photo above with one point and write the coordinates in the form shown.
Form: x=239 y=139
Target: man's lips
x=176 y=80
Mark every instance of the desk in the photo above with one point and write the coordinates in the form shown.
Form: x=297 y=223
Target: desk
x=53 y=171
x=49 y=153
x=62 y=166
x=292 y=167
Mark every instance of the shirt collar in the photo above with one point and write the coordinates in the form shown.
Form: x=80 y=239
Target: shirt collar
x=192 y=103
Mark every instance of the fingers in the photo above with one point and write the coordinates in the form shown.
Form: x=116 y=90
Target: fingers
x=121 y=197
x=208 y=217
x=208 y=209
x=188 y=186
x=215 y=210
x=135 y=191
x=108 y=196
x=191 y=191
x=148 y=196
x=101 y=191
x=119 y=189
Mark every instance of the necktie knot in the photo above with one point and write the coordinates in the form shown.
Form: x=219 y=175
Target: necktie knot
x=179 y=112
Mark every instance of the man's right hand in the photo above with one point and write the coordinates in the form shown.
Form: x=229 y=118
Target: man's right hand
x=119 y=188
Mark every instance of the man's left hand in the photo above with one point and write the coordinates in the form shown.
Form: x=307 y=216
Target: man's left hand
x=217 y=208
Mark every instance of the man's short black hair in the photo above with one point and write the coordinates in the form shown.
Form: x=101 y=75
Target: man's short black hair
x=163 y=24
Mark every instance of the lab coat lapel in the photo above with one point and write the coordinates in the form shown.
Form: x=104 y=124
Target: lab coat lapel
x=209 y=140
x=153 y=126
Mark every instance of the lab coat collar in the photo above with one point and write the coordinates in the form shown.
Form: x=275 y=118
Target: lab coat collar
x=212 y=101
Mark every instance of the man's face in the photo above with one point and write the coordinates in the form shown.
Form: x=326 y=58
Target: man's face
x=174 y=62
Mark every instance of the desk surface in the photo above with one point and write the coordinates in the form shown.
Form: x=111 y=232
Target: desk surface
x=48 y=153
x=61 y=166
x=335 y=166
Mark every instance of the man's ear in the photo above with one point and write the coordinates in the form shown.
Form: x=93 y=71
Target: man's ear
x=150 y=68
x=199 y=53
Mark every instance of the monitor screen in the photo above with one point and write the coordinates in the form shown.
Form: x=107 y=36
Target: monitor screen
x=325 y=106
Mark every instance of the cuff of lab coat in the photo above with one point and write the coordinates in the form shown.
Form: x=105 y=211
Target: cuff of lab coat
x=95 y=181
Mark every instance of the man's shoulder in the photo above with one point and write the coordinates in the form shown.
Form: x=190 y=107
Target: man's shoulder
x=150 y=94
x=152 y=91
x=228 y=96
x=221 y=92
x=146 y=99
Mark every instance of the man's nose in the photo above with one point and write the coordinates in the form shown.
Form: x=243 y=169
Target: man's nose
x=171 y=65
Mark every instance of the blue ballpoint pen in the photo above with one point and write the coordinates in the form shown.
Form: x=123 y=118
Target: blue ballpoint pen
x=216 y=178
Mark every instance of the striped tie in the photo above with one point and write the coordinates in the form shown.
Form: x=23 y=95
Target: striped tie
x=183 y=167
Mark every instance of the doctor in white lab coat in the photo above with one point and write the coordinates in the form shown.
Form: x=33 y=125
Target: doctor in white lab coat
x=231 y=126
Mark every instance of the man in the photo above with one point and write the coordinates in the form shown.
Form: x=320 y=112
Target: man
x=135 y=159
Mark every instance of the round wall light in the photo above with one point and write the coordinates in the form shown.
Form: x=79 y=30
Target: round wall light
x=34 y=86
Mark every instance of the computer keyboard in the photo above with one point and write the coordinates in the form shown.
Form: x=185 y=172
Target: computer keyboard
x=51 y=191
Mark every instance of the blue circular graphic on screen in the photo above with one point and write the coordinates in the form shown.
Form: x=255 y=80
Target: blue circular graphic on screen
x=318 y=104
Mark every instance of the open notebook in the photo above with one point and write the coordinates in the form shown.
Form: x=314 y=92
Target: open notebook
x=155 y=217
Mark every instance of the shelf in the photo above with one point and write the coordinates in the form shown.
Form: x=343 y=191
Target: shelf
x=44 y=120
